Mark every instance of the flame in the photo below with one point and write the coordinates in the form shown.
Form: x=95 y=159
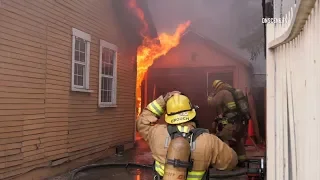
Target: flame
x=151 y=49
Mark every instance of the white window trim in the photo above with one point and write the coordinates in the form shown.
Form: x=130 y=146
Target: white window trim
x=104 y=44
x=86 y=37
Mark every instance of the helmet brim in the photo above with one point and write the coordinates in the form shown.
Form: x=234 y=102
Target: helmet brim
x=180 y=118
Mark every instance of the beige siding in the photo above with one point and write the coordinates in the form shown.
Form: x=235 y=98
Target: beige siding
x=41 y=120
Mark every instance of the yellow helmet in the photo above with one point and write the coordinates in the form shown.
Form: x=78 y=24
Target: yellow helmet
x=216 y=84
x=179 y=110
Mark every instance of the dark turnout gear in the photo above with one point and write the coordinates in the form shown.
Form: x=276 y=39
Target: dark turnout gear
x=192 y=161
x=232 y=106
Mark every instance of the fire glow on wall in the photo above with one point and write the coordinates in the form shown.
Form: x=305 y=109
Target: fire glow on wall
x=152 y=48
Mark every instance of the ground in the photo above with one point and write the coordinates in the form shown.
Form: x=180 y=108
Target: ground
x=140 y=154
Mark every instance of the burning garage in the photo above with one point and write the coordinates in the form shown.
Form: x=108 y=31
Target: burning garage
x=191 y=67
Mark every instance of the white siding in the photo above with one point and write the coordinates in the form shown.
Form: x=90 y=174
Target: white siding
x=282 y=6
x=293 y=86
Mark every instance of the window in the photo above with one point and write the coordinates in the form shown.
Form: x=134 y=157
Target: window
x=107 y=74
x=80 y=61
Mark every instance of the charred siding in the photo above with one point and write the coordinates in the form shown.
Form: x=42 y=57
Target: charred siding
x=41 y=120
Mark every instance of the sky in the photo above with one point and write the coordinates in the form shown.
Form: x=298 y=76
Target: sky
x=224 y=21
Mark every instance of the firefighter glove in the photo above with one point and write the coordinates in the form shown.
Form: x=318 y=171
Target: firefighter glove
x=170 y=94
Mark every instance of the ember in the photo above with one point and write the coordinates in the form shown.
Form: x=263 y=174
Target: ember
x=151 y=49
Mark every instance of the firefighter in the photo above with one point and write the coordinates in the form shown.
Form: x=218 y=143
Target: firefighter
x=179 y=148
x=233 y=115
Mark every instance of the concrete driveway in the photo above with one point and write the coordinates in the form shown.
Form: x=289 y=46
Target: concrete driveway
x=140 y=154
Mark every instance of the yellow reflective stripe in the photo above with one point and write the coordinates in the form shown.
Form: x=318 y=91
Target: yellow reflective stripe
x=224 y=122
x=195 y=175
x=159 y=168
x=231 y=105
x=155 y=108
x=184 y=129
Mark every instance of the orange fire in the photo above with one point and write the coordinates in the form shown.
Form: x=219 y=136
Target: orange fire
x=151 y=49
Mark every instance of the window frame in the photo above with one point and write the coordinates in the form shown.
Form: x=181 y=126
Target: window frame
x=113 y=103
x=87 y=38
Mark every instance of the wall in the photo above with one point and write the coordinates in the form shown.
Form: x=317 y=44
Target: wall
x=181 y=56
x=43 y=123
x=293 y=88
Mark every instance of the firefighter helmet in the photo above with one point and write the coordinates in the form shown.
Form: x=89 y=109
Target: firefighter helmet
x=216 y=84
x=179 y=110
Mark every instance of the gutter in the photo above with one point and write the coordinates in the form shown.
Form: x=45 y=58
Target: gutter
x=300 y=16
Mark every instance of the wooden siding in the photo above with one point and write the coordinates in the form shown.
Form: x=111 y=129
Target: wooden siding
x=43 y=123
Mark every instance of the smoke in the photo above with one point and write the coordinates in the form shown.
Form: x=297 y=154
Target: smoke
x=225 y=21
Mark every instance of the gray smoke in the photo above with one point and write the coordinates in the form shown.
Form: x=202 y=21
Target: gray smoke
x=228 y=22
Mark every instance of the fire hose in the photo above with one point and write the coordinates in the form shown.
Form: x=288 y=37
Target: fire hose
x=259 y=172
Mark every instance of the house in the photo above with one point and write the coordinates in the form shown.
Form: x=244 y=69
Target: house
x=67 y=83
x=191 y=68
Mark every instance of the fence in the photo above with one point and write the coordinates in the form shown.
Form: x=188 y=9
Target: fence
x=293 y=94
x=281 y=7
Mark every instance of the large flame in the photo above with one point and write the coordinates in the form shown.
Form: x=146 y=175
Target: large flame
x=151 y=49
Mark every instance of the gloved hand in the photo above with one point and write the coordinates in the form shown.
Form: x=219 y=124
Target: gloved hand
x=170 y=94
x=227 y=132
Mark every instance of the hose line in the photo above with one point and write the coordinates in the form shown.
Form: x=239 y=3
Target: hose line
x=146 y=166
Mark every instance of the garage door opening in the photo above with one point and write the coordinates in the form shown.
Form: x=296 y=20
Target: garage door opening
x=194 y=82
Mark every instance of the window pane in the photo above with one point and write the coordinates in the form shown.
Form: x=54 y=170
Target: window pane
x=108 y=96
x=79 y=69
x=106 y=83
x=75 y=79
x=102 y=63
x=107 y=61
x=110 y=70
x=79 y=74
x=106 y=55
x=83 y=46
x=107 y=69
x=102 y=83
x=110 y=56
x=80 y=81
x=103 y=96
x=77 y=43
x=109 y=82
x=82 y=57
x=77 y=55
x=76 y=69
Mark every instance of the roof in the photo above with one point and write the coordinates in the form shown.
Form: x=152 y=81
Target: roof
x=214 y=45
x=130 y=23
